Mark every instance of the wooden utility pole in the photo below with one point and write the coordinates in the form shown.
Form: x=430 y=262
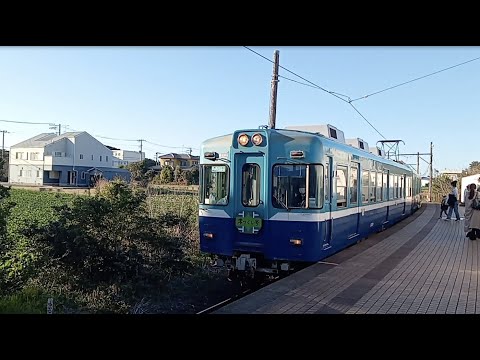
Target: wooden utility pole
x=3 y=142
x=273 y=97
x=141 y=148
x=431 y=171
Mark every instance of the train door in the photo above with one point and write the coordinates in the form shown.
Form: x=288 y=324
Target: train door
x=403 y=185
x=250 y=207
x=328 y=203
x=354 y=183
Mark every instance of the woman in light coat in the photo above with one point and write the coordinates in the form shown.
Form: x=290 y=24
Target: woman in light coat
x=468 y=199
x=474 y=220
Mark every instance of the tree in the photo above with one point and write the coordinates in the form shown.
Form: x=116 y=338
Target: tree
x=473 y=168
x=108 y=241
x=140 y=171
x=191 y=176
x=474 y=164
x=178 y=174
x=4 y=212
x=166 y=176
x=441 y=185
x=3 y=171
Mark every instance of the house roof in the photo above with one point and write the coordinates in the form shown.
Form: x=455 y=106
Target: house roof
x=179 y=156
x=112 y=147
x=39 y=141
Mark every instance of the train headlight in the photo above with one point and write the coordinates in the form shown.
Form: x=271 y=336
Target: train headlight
x=243 y=139
x=296 y=242
x=257 y=139
x=208 y=235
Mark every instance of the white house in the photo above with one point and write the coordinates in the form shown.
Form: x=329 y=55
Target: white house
x=73 y=158
x=125 y=157
x=467 y=180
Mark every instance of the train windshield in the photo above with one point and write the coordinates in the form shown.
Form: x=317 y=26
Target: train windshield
x=214 y=184
x=250 y=185
x=290 y=188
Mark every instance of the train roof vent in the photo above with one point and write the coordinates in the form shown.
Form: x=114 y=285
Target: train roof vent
x=358 y=143
x=326 y=130
x=377 y=151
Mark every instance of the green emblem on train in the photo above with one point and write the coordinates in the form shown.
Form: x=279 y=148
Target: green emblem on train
x=248 y=222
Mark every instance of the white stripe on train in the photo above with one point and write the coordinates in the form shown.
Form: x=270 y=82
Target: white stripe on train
x=312 y=217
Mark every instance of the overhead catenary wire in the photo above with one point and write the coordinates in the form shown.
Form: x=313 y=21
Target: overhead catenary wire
x=407 y=82
x=333 y=93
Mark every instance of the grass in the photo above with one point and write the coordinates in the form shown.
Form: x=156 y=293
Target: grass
x=27 y=301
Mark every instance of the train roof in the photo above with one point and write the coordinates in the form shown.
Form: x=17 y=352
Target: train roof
x=322 y=133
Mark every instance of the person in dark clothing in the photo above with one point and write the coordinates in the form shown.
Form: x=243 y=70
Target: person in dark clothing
x=443 y=206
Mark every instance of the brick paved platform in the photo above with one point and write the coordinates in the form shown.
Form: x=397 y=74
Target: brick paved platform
x=421 y=265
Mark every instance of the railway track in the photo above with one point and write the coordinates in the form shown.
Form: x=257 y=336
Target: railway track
x=237 y=296
x=250 y=290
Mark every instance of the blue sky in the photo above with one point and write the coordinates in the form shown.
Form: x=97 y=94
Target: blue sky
x=179 y=96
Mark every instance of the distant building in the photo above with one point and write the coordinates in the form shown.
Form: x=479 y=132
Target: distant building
x=425 y=180
x=452 y=174
x=125 y=157
x=70 y=159
x=185 y=161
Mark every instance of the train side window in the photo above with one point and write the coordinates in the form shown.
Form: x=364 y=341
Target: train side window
x=315 y=187
x=341 y=182
x=289 y=186
x=327 y=183
x=214 y=185
x=401 y=187
x=373 y=178
x=409 y=185
x=353 y=185
x=379 y=186
x=385 y=186
x=250 y=185
x=395 y=186
x=365 y=181
x=390 y=188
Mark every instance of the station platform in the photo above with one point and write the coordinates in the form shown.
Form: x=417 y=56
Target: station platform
x=422 y=265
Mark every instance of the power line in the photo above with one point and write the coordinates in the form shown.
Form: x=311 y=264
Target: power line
x=333 y=93
x=319 y=87
x=421 y=77
x=171 y=147
x=95 y=135
x=109 y=138
x=315 y=87
x=27 y=122
x=374 y=128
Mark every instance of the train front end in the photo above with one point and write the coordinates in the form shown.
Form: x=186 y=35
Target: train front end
x=248 y=188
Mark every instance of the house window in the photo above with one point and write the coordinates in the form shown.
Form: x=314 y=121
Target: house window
x=81 y=156
x=28 y=173
x=106 y=158
x=58 y=154
x=18 y=155
x=92 y=157
x=34 y=156
x=83 y=175
x=21 y=172
x=100 y=157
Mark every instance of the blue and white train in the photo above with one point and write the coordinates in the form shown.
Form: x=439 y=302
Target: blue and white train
x=273 y=198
